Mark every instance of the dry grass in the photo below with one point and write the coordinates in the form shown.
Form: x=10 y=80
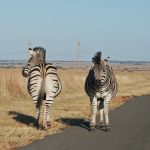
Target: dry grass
x=134 y=83
x=17 y=110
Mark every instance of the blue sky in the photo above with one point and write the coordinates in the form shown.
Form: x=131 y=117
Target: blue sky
x=118 y=28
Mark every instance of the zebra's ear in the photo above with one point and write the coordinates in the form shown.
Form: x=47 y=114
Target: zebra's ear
x=25 y=72
x=106 y=60
x=31 y=51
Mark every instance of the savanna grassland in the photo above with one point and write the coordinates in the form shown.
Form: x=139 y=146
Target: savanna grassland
x=17 y=111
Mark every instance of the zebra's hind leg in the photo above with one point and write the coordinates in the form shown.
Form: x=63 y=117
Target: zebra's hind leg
x=42 y=117
x=43 y=121
x=48 y=103
x=93 y=114
x=45 y=109
x=47 y=116
x=37 y=117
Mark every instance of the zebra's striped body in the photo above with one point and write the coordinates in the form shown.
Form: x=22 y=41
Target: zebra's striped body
x=101 y=86
x=43 y=85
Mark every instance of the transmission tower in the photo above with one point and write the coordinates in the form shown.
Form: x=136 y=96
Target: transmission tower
x=78 y=54
x=29 y=47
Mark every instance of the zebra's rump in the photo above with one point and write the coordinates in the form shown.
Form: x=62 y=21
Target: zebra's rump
x=43 y=80
x=51 y=77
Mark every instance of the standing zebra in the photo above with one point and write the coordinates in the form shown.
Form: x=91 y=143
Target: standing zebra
x=101 y=86
x=43 y=84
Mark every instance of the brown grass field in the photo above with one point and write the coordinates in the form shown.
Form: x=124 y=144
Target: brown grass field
x=17 y=110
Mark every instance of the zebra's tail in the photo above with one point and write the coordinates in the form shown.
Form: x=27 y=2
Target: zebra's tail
x=59 y=87
x=42 y=108
x=41 y=93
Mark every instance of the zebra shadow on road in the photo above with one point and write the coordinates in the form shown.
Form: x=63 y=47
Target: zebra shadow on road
x=83 y=123
x=75 y=122
x=22 y=118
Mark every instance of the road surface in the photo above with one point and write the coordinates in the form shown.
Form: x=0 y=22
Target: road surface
x=130 y=130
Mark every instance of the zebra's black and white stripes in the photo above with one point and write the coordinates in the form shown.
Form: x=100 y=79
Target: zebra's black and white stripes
x=101 y=86
x=43 y=85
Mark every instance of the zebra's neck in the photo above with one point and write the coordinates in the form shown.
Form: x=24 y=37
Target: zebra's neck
x=36 y=61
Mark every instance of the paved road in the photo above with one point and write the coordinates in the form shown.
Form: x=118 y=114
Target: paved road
x=130 y=131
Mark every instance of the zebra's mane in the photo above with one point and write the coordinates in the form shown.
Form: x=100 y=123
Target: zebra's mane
x=97 y=58
x=41 y=53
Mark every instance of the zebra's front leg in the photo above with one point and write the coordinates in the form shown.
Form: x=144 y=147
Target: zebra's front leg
x=93 y=114
x=106 y=114
x=101 y=112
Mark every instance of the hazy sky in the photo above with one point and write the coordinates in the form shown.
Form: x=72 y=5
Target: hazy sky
x=118 y=28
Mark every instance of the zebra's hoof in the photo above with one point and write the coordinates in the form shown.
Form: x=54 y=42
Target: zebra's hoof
x=102 y=125
x=48 y=125
x=39 y=127
x=43 y=128
x=92 y=129
x=107 y=128
x=35 y=124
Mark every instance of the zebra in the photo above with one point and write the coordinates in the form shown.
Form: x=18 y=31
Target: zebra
x=43 y=84
x=101 y=86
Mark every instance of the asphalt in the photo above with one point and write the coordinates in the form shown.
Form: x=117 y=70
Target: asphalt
x=130 y=130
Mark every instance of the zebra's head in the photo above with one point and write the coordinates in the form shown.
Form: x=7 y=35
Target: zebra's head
x=37 y=56
x=98 y=69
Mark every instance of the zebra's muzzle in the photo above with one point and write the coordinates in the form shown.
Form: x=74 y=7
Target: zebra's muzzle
x=97 y=84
